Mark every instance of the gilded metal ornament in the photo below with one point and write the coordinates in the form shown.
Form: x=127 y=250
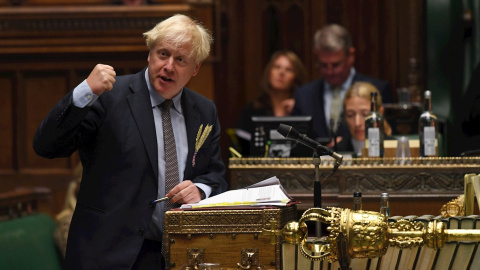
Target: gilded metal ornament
x=367 y=234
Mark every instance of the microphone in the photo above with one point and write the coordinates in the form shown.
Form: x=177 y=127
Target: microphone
x=291 y=133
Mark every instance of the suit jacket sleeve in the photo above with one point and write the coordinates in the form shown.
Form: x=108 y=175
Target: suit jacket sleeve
x=60 y=134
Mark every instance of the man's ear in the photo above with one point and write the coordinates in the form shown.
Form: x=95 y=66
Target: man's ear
x=197 y=68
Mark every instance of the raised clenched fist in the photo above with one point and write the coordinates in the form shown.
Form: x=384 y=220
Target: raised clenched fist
x=101 y=79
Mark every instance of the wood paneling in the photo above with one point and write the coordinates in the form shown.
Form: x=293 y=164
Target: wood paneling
x=274 y=25
x=80 y=29
x=7 y=141
x=53 y=2
x=386 y=35
x=42 y=90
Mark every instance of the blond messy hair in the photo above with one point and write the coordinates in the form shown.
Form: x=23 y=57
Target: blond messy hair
x=180 y=30
x=362 y=90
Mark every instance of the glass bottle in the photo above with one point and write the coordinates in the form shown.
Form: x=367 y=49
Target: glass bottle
x=384 y=205
x=428 y=128
x=374 y=132
x=357 y=201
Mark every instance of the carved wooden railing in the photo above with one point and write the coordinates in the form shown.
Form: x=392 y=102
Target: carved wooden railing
x=80 y=28
x=429 y=181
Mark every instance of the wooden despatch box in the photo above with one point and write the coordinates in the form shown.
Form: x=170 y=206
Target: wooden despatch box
x=229 y=237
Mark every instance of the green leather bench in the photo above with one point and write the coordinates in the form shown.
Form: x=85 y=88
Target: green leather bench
x=27 y=243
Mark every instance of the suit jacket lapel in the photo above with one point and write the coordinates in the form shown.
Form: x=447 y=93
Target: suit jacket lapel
x=141 y=108
x=192 y=123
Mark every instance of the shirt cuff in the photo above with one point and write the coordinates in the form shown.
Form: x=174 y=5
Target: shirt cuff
x=206 y=189
x=83 y=95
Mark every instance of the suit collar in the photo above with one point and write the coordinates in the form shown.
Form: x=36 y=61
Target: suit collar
x=345 y=85
x=156 y=99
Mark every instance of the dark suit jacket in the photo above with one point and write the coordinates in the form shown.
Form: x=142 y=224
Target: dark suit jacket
x=118 y=148
x=309 y=101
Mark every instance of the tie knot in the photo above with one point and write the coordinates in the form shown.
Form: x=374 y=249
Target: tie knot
x=336 y=90
x=167 y=103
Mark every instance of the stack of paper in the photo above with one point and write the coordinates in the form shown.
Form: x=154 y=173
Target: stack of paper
x=266 y=192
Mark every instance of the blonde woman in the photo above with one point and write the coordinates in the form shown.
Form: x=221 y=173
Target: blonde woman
x=356 y=106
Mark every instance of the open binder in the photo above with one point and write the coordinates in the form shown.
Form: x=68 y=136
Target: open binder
x=269 y=192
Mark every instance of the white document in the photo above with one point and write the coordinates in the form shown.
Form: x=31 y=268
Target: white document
x=266 y=192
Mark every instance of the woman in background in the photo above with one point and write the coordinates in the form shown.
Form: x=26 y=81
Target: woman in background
x=356 y=106
x=282 y=75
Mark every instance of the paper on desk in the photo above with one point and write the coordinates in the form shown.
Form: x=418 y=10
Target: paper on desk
x=266 y=192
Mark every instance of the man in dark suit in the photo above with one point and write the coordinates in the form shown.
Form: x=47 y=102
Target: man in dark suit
x=322 y=98
x=116 y=125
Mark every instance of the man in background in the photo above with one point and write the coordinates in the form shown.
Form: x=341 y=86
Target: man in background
x=322 y=99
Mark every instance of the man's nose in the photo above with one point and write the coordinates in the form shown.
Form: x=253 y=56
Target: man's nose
x=329 y=70
x=169 y=64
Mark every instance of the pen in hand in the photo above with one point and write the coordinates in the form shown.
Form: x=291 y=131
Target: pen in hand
x=161 y=200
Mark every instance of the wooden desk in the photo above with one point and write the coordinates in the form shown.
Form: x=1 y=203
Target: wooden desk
x=416 y=186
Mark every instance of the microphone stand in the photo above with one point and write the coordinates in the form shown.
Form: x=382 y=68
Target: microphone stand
x=317 y=190
x=289 y=132
x=333 y=133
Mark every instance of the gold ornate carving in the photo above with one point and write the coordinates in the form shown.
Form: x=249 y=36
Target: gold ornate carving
x=367 y=234
x=237 y=225
x=249 y=259
x=195 y=256
x=453 y=208
x=405 y=226
x=226 y=221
